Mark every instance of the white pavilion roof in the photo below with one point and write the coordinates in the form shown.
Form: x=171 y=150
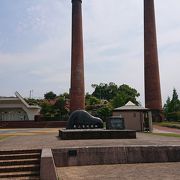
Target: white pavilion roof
x=130 y=106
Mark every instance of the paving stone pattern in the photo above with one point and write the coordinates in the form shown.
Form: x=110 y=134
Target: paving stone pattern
x=52 y=140
x=155 y=171
x=165 y=171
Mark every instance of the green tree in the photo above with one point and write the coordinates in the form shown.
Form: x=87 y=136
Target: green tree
x=125 y=94
x=175 y=103
x=172 y=107
x=61 y=106
x=50 y=95
x=47 y=109
x=167 y=106
x=119 y=100
x=130 y=92
x=99 y=91
x=57 y=111
x=35 y=102
x=105 y=91
x=65 y=95
x=104 y=112
x=93 y=100
x=118 y=95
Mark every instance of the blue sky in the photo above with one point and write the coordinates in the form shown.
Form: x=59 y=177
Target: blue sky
x=35 y=45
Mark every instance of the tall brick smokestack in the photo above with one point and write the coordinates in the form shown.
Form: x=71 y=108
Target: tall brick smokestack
x=77 y=95
x=151 y=67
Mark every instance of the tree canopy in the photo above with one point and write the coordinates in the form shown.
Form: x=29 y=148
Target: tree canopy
x=172 y=107
x=50 y=95
x=105 y=91
x=104 y=98
x=118 y=96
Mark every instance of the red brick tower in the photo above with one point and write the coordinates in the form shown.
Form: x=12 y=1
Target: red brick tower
x=151 y=69
x=77 y=95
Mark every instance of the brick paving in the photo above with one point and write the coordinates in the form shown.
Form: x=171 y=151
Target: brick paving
x=162 y=129
x=150 y=171
x=51 y=140
x=36 y=139
x=27 y=131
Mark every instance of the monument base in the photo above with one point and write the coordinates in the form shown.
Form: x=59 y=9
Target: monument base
x=77 y=134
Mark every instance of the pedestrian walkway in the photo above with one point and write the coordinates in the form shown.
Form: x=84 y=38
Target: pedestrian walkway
x=48 y=138
x=52 y=140
x=27 y=131
x=161 y=129
x=149 y=171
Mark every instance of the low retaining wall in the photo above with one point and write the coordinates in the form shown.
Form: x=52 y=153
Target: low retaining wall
x=32 y=124
x=115 y=155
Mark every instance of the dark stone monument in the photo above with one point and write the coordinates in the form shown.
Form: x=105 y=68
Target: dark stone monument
x=115 y=122
x=151 y=67
x=81 y=119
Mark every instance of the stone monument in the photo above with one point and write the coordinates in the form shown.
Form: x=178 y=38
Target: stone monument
x=81 y=119
x=115 y=122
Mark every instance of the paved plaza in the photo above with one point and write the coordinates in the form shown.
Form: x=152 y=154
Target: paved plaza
x=38 y=138
x=27 y=131
x=149 y=171
x=48 y=138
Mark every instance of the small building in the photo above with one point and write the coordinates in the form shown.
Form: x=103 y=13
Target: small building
x=17 y=109
x=135 y=117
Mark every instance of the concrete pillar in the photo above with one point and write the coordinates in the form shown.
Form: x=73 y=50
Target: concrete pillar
x=150 y=121
x=151 y=68
x=77 y=95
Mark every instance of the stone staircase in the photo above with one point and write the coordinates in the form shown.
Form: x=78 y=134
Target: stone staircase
x=20 y=164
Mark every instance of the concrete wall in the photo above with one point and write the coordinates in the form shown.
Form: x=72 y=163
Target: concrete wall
x=13 y=114
x=32 y=113
x=12 y=105
x=115 y=155
x=32 y=124
x=132 y=119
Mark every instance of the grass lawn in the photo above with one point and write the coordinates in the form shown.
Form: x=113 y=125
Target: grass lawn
x=167 y=134
x=3 y=137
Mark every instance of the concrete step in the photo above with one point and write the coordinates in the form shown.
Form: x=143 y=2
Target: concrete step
x=20 y=156
x=20 y=151
x=19 y=162
x=21 y=175
x=20 y=168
